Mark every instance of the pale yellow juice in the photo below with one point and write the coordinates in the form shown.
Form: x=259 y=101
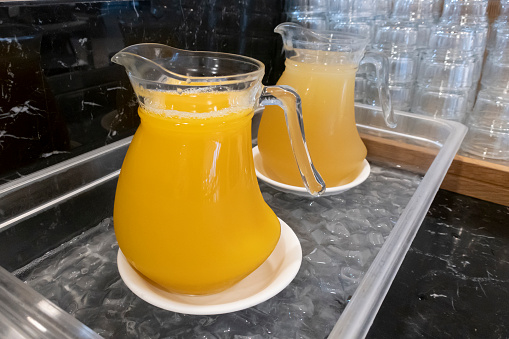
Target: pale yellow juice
x=327 y=93
x=188 y=213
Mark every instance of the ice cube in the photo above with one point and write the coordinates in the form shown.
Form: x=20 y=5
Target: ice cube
x=375 y=238
x=338 y=228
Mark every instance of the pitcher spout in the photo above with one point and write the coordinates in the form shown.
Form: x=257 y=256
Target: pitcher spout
x=291 y=32
x=294 y=34
x=328 y=46
x=145 y=61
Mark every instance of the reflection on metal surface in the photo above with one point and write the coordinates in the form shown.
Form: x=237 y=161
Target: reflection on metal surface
x=23 y=317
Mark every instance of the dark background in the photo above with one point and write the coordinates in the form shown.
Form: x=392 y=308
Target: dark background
x=61 y=96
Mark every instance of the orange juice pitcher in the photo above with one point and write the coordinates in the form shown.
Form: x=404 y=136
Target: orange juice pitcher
x=321 y=67
x=189 y=215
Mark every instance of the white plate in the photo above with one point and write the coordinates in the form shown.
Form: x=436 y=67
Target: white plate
x=366 y=169
x=268 y=280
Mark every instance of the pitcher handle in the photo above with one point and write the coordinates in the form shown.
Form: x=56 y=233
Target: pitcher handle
x=288 y=99
x=381 y=64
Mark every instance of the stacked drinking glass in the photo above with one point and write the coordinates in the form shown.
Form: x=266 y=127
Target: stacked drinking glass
x=451 y=65
x=436 y=51
x=422 y=13
x=357 y=17
x=488 y=123
x=470 y=15
x=447 y=73
x=435 y=47
x=401 y=38
x=399 y=42
x=501 y=24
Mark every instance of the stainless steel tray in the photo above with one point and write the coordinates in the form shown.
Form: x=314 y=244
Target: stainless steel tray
x=353 y=245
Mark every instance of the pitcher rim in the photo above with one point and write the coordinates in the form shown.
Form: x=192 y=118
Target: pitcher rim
x=196 y=80
x=341 y=38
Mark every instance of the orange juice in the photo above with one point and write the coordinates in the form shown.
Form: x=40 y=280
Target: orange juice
x=327 y=93
x=188 y=213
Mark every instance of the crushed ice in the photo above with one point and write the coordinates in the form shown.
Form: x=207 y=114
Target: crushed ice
x=340 y=236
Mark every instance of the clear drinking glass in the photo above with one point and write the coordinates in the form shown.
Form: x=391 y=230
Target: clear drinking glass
x=498 y=39
x=306 y=5
x=502 y=20
x=503 y=16
x=420 y=11
x=309 y=13
x=448 y=38
x=398 y=41
x=496 y=67
x=313 y=20
x=464 y=12
x=359 y=27
x=471 y=15
x=357 y=17
x=488 y=126
x=438 y=5
x=442 y=103
x=447 y=72
x=496 y=71
x=356 y=9
x=401 y=95
x=383 y=9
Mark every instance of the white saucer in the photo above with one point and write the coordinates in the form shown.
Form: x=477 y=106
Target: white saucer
x=268 y=280
x=366 y=169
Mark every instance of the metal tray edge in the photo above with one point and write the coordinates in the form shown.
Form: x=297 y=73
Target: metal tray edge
x=360 y=312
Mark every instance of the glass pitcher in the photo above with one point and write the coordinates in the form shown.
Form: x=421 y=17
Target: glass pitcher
x=321 y=67
x=189 y=214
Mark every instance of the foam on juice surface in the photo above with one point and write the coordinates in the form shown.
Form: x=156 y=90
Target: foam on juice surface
x=169 y=113
x=196 y=103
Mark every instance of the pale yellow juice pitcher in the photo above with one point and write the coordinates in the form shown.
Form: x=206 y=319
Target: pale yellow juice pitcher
x=321 y=67
x=189 y=214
